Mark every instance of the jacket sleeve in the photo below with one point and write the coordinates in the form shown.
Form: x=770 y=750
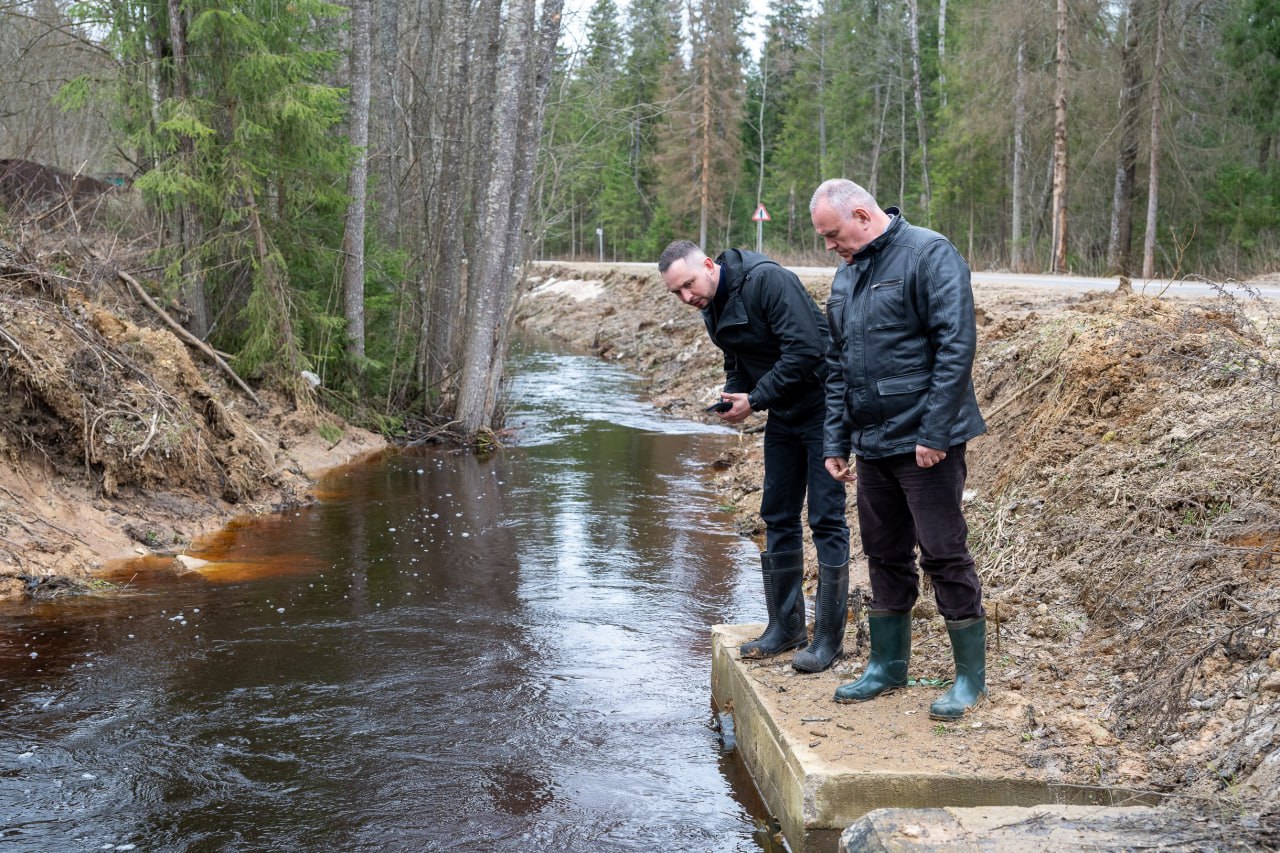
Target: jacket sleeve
x=835 y=437
x=793 y=319
x=736 y=380
x=942 y=277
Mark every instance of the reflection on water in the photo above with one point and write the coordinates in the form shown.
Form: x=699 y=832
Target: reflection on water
x=446 y=654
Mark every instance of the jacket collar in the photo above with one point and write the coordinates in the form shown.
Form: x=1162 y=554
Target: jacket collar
x=896 y=223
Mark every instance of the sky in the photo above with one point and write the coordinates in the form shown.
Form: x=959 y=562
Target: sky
x=574 y=23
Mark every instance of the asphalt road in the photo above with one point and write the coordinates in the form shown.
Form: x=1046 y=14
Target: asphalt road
x=1154 y=287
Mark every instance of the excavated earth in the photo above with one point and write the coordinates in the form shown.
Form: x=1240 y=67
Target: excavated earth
x=1124 y=510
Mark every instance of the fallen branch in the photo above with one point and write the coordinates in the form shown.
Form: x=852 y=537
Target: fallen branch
x=11 y=341
x=1042 y=377
x=181 y=332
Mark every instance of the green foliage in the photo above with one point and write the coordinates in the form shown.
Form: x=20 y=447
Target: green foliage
x=240 y=142
x=1245 y=203
x=1251 y=46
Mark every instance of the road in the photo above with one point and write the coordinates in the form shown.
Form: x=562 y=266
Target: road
x=1154 y=287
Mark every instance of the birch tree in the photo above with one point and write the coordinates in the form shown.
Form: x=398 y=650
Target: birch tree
x=361 y=69
x=1058 y=261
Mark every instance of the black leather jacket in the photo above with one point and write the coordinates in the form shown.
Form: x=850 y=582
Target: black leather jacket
x=772 y=334
x=902 y=344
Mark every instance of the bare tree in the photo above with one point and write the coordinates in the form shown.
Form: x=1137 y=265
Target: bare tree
x=358 y=179
x=1016 y=239
x=1120 y=239
x=523 y=78
x=1153 y=175
x=942 y=52
x=922 y=137
x=1059 y=228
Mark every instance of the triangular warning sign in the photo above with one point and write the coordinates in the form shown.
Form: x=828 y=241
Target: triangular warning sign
x=761 y=215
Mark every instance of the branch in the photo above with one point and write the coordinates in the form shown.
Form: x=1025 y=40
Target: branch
x=181 y=332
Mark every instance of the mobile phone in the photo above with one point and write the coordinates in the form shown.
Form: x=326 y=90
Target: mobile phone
x=722 y=406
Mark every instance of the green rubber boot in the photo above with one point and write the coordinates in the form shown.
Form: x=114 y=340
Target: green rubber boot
x=784 y=598
x=969 y=648
x=831 y=614
x=887 y=664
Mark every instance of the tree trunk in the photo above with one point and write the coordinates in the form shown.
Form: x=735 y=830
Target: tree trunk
x=764 y=94
x=1017 y=251
x=188 y=233
x=914 y=27
x=881 y=99
x=1120 y=239
x=704 y=132
x=1153 y=173
x=445 y=210
x=385 y=154
x=357 y=181
x=1059 y=257
x=492 y=282
x=942 y=52
x=532 y=114
x=821 y=83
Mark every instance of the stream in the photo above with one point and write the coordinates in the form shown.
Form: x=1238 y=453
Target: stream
x=445 y=652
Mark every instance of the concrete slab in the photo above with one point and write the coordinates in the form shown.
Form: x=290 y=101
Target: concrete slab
x=818 y=772
x=1044 y=829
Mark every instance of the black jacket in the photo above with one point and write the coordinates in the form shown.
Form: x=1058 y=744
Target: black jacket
x=772 y=333
x=903 y=340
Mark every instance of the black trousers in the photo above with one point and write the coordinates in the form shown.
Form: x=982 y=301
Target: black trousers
x=793 y=466
x=900 y=506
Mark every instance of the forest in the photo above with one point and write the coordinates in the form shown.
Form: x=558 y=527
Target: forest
x=351 y=191
x=1135 y=137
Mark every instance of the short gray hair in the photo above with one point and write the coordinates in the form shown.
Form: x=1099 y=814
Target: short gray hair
x=842 y=194
x=677 y=250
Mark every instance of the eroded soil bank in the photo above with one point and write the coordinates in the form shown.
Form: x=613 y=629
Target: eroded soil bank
x=115 y=441
x=1125 y=514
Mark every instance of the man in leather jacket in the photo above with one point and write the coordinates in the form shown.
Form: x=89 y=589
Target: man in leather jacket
x=774 y=341
x=900 y=398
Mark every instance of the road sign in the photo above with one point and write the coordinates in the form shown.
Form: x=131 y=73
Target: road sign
x=761 y=215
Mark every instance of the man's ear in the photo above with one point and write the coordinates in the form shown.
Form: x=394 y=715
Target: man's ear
x=708 y=263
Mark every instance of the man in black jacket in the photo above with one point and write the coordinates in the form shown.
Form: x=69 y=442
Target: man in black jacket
x=774 y=341
x=900 y=396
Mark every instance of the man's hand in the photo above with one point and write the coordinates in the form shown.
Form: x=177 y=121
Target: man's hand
x=741 y=408
x=927 y=457
x=840 y=469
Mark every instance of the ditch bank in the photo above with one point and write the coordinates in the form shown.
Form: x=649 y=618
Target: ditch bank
x=1125 y=514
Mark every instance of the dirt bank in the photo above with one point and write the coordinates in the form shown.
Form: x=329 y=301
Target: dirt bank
x=1125 y=513
x=117 y=440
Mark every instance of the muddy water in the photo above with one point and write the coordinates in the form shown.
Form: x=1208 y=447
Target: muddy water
x=446 y=653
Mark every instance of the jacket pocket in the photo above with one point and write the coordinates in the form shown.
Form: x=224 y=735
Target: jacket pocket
x=886 y=305
x=908 y=383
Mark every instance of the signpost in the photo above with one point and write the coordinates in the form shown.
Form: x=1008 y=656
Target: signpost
x=760 y=217
x=600 y=241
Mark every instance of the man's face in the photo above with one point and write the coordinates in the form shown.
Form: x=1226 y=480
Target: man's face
x=692 y=280
x=844 y=233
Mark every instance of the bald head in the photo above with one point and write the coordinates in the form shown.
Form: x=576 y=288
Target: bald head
x=843 y=195
x=846 y=217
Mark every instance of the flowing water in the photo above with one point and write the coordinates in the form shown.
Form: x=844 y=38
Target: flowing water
x=445 y=653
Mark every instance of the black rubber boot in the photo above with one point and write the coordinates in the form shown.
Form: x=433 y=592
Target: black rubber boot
x=784 y=597
x=887 y=664
x=969 y=648
x=831 y=612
